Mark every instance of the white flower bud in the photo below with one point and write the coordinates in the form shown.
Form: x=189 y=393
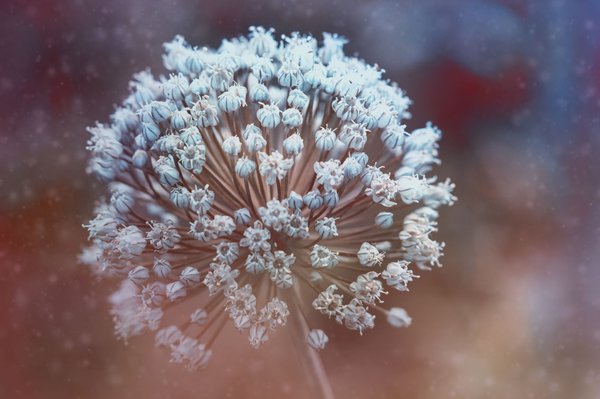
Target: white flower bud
x=367 y=120
x=255 y=263
x=325 y=139
x=199 y=317
x=168 y=336
x=384 y=220
x=326 y=228
x=165 y=169
x=259 y=93
x=232 y=145
x=143 y=95
x=348 y=84
x=162 y=268
x=190 y=136
x=221 y=78
x=122 y=201
x=317 y=339
x=329 y=173
x=383 y=245
x=201 y=199
x=244 y=167
x=255 y=142
x=297 y=99
x=297 y=225
x=424 y=139
x=168 y=144
x=242 y=216
x=275 y=214
x=175 y=291
x=205 y=114
x=398 y=275
x=190 y=276
x=411 y=188
x=315 y=277
x=417 y=162
x=351 y=167
x=327 y=85
x=383 y=113
x=354 y=135
x=163 y=236
x=331 y=198
x=313 y=199
x=103 y=227
x=153 y=294
x=227 y=252
x=332 y=47
x=397 y=317
x=180 y=197
x=393 y=136
x=194 y=62
x=269 y=116
x=261 y=41
x=258 y=335
x=139 y=275
x=292 y=117
x=274 y=166
x=180 y=119
x=360 y=157
x=152 y=317
x=139 y=159
x=369 y=173
x=145 y=113
x=141 y=142
x=192 y=157
x=347 y=109
x=440 y=194
x=368 y=255
x=200 y=86
x=367 y=288
x=251 y=129
x=223 y=225
x=263 y=69
x=315 y=76
x=293 y=144
x=232 y=99
x=295 y=201
x=160 y=111
x=150 y=131
x=301 y=51
x=176 y=87
x=323 y=257
x=290 y=75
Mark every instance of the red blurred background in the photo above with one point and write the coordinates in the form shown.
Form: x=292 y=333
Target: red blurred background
x=514 y=85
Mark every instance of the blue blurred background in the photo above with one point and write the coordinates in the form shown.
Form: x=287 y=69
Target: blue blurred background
x=514 y=85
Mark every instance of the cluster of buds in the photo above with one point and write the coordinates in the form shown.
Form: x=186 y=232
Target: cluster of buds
x=259 y=181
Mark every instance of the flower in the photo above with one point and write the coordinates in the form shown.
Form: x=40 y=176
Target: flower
x=369 y=255
x=398 y=318
x=317 y=339
x=275 y=177
x=398 y=275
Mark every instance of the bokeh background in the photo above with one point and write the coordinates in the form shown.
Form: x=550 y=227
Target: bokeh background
x=515 y=311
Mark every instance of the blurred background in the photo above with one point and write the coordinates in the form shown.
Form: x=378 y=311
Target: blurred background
x=514 y=312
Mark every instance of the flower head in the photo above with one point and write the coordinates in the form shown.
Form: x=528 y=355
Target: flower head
x=261 y=179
